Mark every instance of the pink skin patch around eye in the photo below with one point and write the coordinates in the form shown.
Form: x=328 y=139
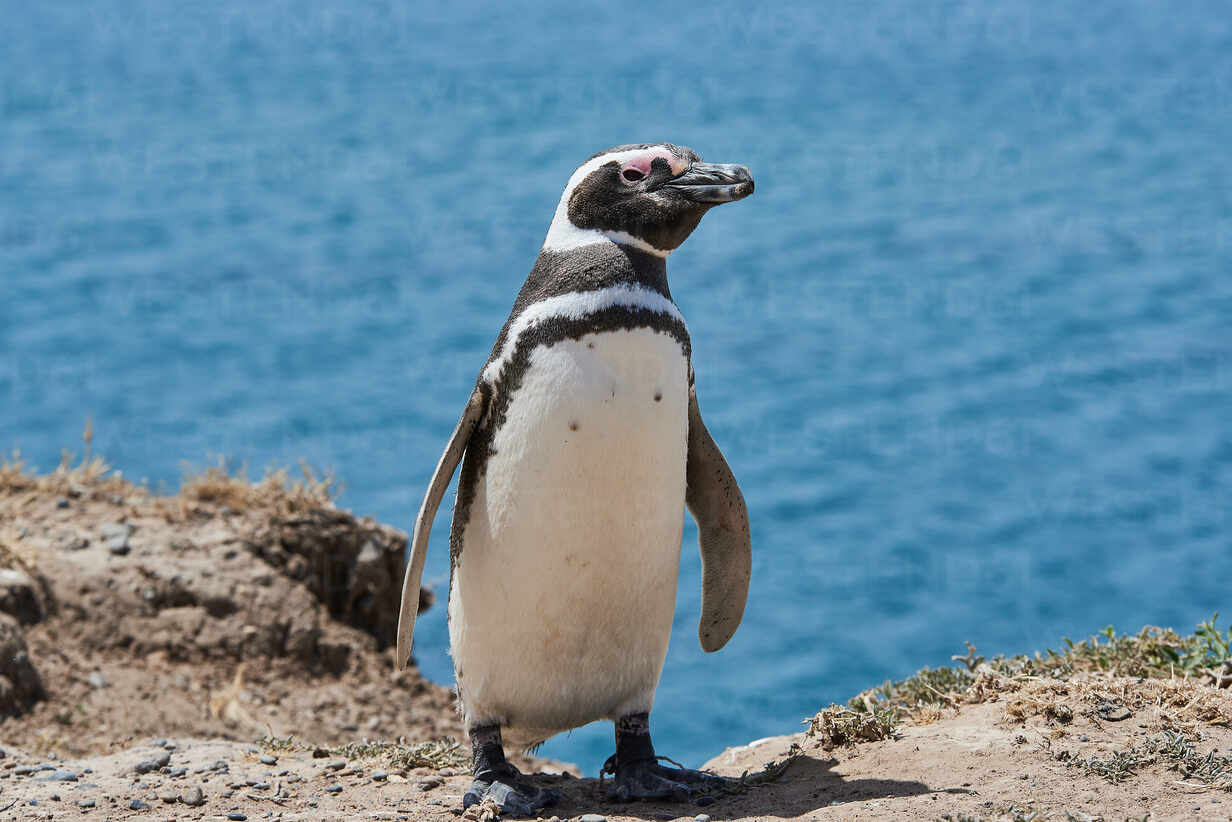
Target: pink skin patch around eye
x=642 y=164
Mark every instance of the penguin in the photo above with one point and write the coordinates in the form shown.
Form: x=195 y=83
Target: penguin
x=581 y=445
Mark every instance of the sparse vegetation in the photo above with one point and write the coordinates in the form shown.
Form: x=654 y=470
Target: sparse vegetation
x=218 y=486
x=436 y=754
x=403 y=756
x=1032 y=814
x=837 y=726
x=276 y=490
x=1042 y=678
x=1013 y=813
x=1173 y=747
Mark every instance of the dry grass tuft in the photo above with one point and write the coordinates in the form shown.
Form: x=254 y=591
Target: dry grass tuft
x=89 y=478
x=276 y=491
x=837 y=726
x=436 y=754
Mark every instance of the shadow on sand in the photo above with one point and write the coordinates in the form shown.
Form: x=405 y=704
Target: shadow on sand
x=809 y=784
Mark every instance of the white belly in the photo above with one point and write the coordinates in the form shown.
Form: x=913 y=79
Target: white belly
x=562 y=600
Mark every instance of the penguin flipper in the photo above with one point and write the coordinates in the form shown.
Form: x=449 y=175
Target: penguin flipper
x=423 y=522
x=714 y=499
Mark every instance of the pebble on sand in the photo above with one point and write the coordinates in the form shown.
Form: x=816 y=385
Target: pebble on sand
x=147 y=765
x=59 y=776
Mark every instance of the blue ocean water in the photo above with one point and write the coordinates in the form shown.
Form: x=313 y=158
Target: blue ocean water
x=967 y=348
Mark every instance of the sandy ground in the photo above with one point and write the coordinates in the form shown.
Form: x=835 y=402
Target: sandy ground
x=211 y=656
x=973 y=764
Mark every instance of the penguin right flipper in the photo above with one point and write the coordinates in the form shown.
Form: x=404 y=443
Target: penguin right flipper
x=714 y=499
x=471 y=415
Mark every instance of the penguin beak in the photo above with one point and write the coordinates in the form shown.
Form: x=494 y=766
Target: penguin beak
x=713 y=183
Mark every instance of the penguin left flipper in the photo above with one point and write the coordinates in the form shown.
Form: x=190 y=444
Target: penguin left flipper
x=471 y=415
x=714 y=499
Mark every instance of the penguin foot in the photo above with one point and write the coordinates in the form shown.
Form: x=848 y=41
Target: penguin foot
x=647 y=780
x=511 y=792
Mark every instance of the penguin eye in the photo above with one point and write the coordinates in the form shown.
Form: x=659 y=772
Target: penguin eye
x=632 y=175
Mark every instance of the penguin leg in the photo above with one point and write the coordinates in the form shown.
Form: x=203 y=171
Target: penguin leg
x=639 y=774
x=499 y=781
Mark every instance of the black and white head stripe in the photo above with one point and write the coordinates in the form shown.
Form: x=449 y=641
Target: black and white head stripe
x=629 y=300
x=617 y=196
x=564 y=235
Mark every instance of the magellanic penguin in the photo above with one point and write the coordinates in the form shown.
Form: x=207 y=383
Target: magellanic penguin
x=581 y=445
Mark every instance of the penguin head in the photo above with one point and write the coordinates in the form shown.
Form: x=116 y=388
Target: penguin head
x=648 y=196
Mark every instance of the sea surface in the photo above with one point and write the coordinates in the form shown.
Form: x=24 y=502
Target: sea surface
x=968 y=348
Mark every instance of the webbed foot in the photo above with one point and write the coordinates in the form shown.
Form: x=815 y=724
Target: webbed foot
x=639 y=774
x=646 y=780
x=497 y=780
x=511 y=792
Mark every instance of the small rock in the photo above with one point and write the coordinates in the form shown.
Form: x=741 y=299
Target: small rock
x=269 y=760
x=59 y=776
x=702 y=817
x=236 y=816
x=86 y=803
x=116 y=535
x=320 y=753
x=592 y=817
x=176 y=772
x=379 y=776
x=160 y=743
x=138 y=805
x=169 y=796
x=336 y=765
x=429 y=783
x=19 y=596
x=22 y=770
x=193 y=797
x=61 y=502
x=261 y=786
x=228 y=793
x=703 y=801
x=112 y=530
x=55 y=797
x=97 y=680
x=147 y=765
x=2 y=753
x=1084 y=738
x=333 y=789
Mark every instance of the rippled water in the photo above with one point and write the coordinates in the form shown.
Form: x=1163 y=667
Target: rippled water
x=967 y=348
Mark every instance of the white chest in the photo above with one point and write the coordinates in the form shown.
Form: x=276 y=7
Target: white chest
x=572 y=547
